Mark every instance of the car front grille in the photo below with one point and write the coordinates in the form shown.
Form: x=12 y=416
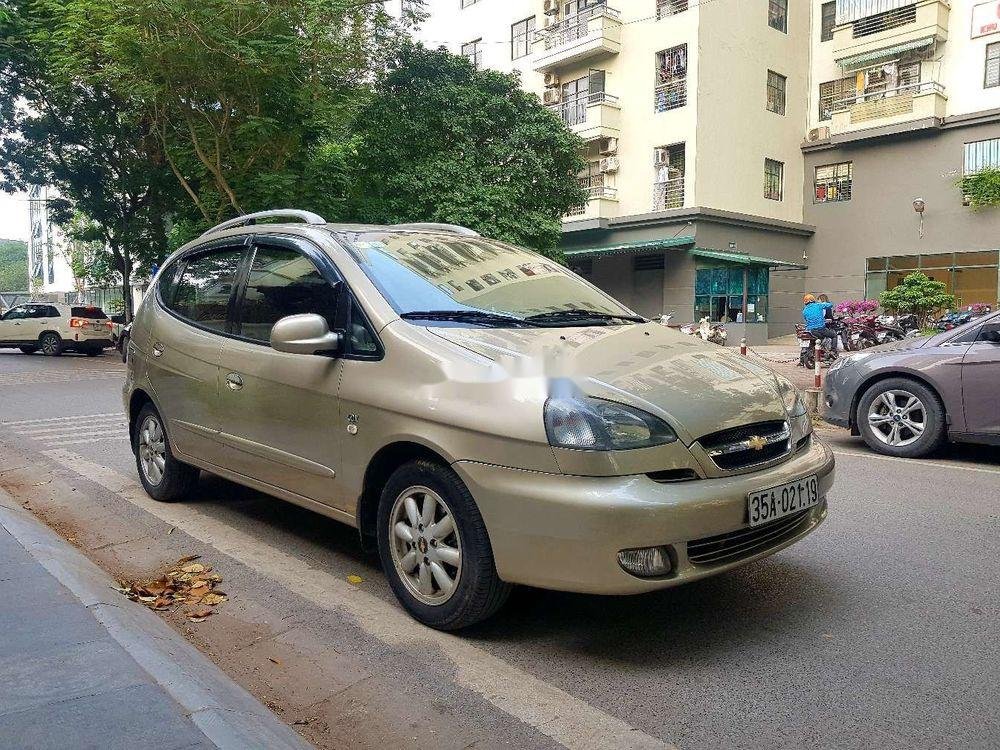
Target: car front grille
x=749 y=445
x=715 y=550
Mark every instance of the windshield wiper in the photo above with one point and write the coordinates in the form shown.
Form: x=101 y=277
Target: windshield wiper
x=570 y=316
x=469 y=316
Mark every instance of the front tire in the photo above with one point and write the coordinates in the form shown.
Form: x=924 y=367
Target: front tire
x=434 y=548
x=901 y=417
x=163 y=477
x=51 y=345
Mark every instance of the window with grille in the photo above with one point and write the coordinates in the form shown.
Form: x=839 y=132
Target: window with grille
x=833 y=182
x=671 y=79
x=668 y=184
x=891 y=19
x=992 y=77
x=832 y=92
x=777 y=15
x=666 y=8
x=473 y=52
x=520 y=38
x=827 y=21
x=774 y=179
x=981 y=155
x=647 y=262
x=775 y=92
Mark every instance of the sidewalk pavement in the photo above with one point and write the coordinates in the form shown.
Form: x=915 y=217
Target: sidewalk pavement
x=83 y=667
x=784 y=359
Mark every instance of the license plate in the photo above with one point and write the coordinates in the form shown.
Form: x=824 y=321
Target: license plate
x=784 y=500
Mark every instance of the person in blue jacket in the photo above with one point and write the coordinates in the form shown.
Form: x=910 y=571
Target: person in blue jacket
x=814 y=314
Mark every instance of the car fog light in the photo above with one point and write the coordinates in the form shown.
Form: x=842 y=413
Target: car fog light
x=647 y=562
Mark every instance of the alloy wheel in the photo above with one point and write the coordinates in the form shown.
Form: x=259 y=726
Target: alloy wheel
x=50 y=344
x=425 y=545
x=152 y=450
x=897 y=418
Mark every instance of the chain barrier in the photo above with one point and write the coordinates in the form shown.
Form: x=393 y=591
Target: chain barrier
x=773 y=360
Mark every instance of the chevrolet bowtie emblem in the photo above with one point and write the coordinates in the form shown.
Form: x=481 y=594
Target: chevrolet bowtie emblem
x=757 y=443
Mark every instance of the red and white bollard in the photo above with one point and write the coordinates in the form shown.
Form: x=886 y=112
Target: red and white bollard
x=743 y=346
x=817 y=378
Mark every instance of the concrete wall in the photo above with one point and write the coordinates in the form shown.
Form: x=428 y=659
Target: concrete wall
x=880 y=220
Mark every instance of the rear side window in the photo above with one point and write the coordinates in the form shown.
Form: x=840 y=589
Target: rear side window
x=283 y=282
x=93 y=313
x=205 y=286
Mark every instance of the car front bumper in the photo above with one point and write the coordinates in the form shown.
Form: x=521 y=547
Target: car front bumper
x=564 y=532
x=839 y=387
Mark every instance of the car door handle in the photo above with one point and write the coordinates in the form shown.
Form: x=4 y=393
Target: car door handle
x=157 y=349
x=234 y=381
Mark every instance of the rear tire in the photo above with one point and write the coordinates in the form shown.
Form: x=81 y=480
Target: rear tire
x=901 y=417
x=472 y=589
x=163 y=477
x=28 y=349
x=51 y=345
x=123 y=348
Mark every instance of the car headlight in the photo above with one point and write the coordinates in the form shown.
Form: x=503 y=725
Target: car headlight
x=586 y=423
x=791 y=398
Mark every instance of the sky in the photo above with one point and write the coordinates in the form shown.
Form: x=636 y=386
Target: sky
x=13 y=216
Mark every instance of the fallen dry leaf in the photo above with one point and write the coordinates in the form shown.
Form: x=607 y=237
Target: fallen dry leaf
x=212 y=599
x=194 y=568
x=199 y=615
x=274 y=660
x=188 y=559
x=354 y=579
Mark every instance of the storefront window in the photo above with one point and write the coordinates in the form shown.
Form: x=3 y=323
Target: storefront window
x=972 y=277
x=719 y=293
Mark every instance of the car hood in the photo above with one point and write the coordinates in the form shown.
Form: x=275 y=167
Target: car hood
x=699 y=388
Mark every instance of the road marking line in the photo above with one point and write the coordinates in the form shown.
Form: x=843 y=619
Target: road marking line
x=96 y=425
x=105 y=438
x=63 y=419
x=552 y=711
x=916 y=462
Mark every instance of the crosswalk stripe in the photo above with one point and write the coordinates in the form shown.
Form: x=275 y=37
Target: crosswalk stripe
x=66 y=434
x=103 y=424
x=104 y=439
x=62 y=419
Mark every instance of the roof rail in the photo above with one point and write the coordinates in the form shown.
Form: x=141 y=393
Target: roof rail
x=307 y=217
x=431 y=227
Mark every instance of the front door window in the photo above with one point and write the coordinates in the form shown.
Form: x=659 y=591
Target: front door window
x=731 y=293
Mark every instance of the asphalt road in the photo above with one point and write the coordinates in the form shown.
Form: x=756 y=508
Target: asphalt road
x=879 y=630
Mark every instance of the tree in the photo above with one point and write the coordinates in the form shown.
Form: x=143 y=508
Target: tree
x=62 y=125
x=13 y=266
x=917 y=294
x=982 y=188
x=441 y=141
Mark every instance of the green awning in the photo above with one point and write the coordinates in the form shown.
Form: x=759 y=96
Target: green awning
x=886 y=53
x=744 y=259
x=626 y=248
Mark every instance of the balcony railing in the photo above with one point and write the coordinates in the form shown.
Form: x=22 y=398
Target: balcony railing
x=573 y=111
x=574 y=27
x=670 y=95
x=668 y=194
x=892 y=19
x=874 y=105
x=666 y=8
x=595 y=189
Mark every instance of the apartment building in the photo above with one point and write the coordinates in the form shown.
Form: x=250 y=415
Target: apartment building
x=740 y=152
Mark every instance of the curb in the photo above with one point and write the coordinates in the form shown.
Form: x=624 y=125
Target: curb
x=229 y=716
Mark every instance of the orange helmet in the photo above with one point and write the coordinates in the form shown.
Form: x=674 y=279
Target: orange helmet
x=808 y=298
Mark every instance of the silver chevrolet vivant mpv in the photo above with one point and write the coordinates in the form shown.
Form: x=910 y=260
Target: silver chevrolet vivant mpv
x=481 y=414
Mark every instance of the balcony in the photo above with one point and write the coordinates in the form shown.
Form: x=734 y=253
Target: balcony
x=592 y=116
x=671 y=95
x=588 y=35
x=668 y=194
x=917 y=101
x=602 y=203
x=871 y=36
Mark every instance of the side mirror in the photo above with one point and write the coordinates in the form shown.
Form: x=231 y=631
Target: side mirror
x=304 y=334
x=990 y=333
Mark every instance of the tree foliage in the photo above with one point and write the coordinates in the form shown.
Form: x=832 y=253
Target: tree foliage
x=918 y=294
x=440 y=141
x=982 y=187
x=13 y=266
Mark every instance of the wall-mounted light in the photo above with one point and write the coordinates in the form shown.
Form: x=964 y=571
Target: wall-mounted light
x=920 y=205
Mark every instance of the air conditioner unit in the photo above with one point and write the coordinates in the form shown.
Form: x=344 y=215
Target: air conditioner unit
x=551 y=80
x=609 y=146
x=551 y=7
x=609 y=164
x=818 y=134
x=551 y=96
x=661 y=157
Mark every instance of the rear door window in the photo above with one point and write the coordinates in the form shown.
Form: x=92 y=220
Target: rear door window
x=206 y=286
x=92 y=313
x=283 y=282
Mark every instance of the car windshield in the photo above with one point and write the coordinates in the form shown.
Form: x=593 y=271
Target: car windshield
x=456 y=278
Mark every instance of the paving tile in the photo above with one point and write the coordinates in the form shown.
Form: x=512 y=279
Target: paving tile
x=142 y=716
x=30 y=680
